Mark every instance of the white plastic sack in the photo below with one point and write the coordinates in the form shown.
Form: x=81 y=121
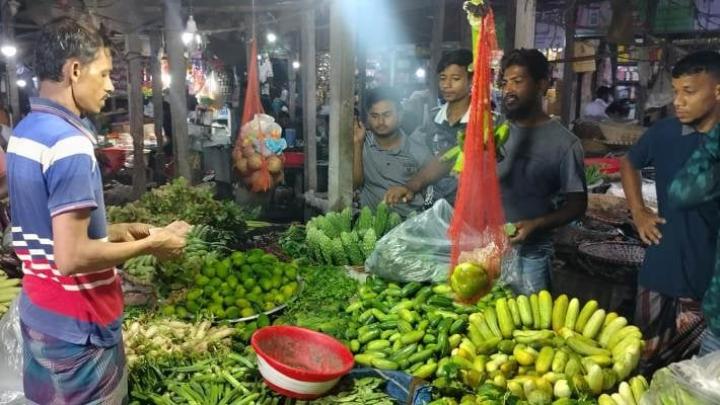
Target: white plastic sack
x=690 y=382
x=11 y=357
x=416 y=250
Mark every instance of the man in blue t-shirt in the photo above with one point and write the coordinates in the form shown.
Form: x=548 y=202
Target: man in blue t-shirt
x=682 y=241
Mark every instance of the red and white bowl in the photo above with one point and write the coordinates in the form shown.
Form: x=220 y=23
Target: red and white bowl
x=300 y=363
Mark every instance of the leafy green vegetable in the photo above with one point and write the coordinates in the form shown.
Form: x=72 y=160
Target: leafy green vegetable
x=321 y=306
x=592 y=174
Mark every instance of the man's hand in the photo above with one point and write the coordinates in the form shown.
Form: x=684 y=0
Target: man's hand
x=166 y=244
x=179 y=228
x=646 y=222
x=358 y=132
x=524 y=230
x=398 y=194
x=128 y=232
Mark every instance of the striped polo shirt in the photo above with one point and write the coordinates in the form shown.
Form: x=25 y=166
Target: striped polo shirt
x=52 y=170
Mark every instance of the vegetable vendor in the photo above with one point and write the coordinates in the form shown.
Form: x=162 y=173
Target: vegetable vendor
x=454 y=80
x=71 y=304
x=542 y=177
x=385 y=156
x=683 y=238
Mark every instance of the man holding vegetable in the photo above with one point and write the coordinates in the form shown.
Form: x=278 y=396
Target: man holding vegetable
x=542 y=178
x=682 y=238
x=71 y=305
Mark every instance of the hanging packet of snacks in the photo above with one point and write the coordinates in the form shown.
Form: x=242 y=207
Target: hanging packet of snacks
x=258 y=152
x=476 y=231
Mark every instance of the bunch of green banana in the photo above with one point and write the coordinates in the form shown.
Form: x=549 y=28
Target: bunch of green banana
x=9 y=289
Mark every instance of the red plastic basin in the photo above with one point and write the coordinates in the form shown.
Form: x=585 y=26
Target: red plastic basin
x=298 y=362
x=606 y=165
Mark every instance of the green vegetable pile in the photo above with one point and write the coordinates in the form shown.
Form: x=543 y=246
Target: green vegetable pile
x=230 y=378
x=292 y=242
x=363 y=391
x=178 y=273
x=240 y=285
x=406 y=328
x=321 y=307
x=336 y=239
x=180 y=201
x=592 y=174
x=540 y=351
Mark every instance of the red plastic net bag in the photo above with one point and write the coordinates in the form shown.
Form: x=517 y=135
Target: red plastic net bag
x=258 y=148
x=476 y=230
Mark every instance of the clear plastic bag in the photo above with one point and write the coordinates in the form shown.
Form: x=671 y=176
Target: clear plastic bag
x=690 y=382
x=11 y=357
x=416 y=250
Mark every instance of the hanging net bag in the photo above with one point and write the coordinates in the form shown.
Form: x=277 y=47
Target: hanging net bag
x=476 y=230
x=258 y=149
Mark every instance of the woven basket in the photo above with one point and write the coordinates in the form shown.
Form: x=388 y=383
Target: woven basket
x=608 y=209
x=620 y=134
x=614 y=261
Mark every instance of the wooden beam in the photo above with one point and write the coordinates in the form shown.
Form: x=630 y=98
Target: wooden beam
x=309 y=83
x=569 y=82
x=178 y=99
x=342 y=102
x=157 y=101
x=133 y=48
x=525 y=23
x=8 y=32
x=438 y=29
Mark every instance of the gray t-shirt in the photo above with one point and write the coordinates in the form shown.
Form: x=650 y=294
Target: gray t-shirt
x=383 y=169
x=540 y=166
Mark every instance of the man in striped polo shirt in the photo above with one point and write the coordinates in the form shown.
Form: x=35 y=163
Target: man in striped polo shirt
x=71 y=305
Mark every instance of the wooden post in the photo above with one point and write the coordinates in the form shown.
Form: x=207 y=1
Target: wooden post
x=342 y=101
x=133 y=48
x=11 y=64
x=438 y=28
x=178 y=99
x=567 y=111
x=157 y=101
x=510 y=15
x=525 y=23
x=309 y=82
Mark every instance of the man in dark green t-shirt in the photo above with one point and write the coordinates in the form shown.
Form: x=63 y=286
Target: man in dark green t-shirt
x=682 y=240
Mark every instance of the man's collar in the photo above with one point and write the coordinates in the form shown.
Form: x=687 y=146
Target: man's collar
x=441 y=115
x=45 y=105
x=397 y=150
x=687 y=130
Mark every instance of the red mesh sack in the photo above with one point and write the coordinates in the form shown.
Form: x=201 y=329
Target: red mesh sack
x=257 y=154
x=476 y=230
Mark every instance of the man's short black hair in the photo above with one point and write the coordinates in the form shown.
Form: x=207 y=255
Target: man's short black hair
x=533 y=60
x=379 y=94
x=698 y=62
x=603 y=91
x=460 y=57
x=62 y=39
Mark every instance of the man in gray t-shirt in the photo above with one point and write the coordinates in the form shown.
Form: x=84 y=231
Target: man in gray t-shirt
x=385 y=156
x=542 y=175
x=541 y=172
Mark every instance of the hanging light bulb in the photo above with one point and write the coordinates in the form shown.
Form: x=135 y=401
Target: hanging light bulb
x=190 y=30
x=296 y=64
x=420 y=73
x=8 y=50
x=21 y=83
x=271 y=37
